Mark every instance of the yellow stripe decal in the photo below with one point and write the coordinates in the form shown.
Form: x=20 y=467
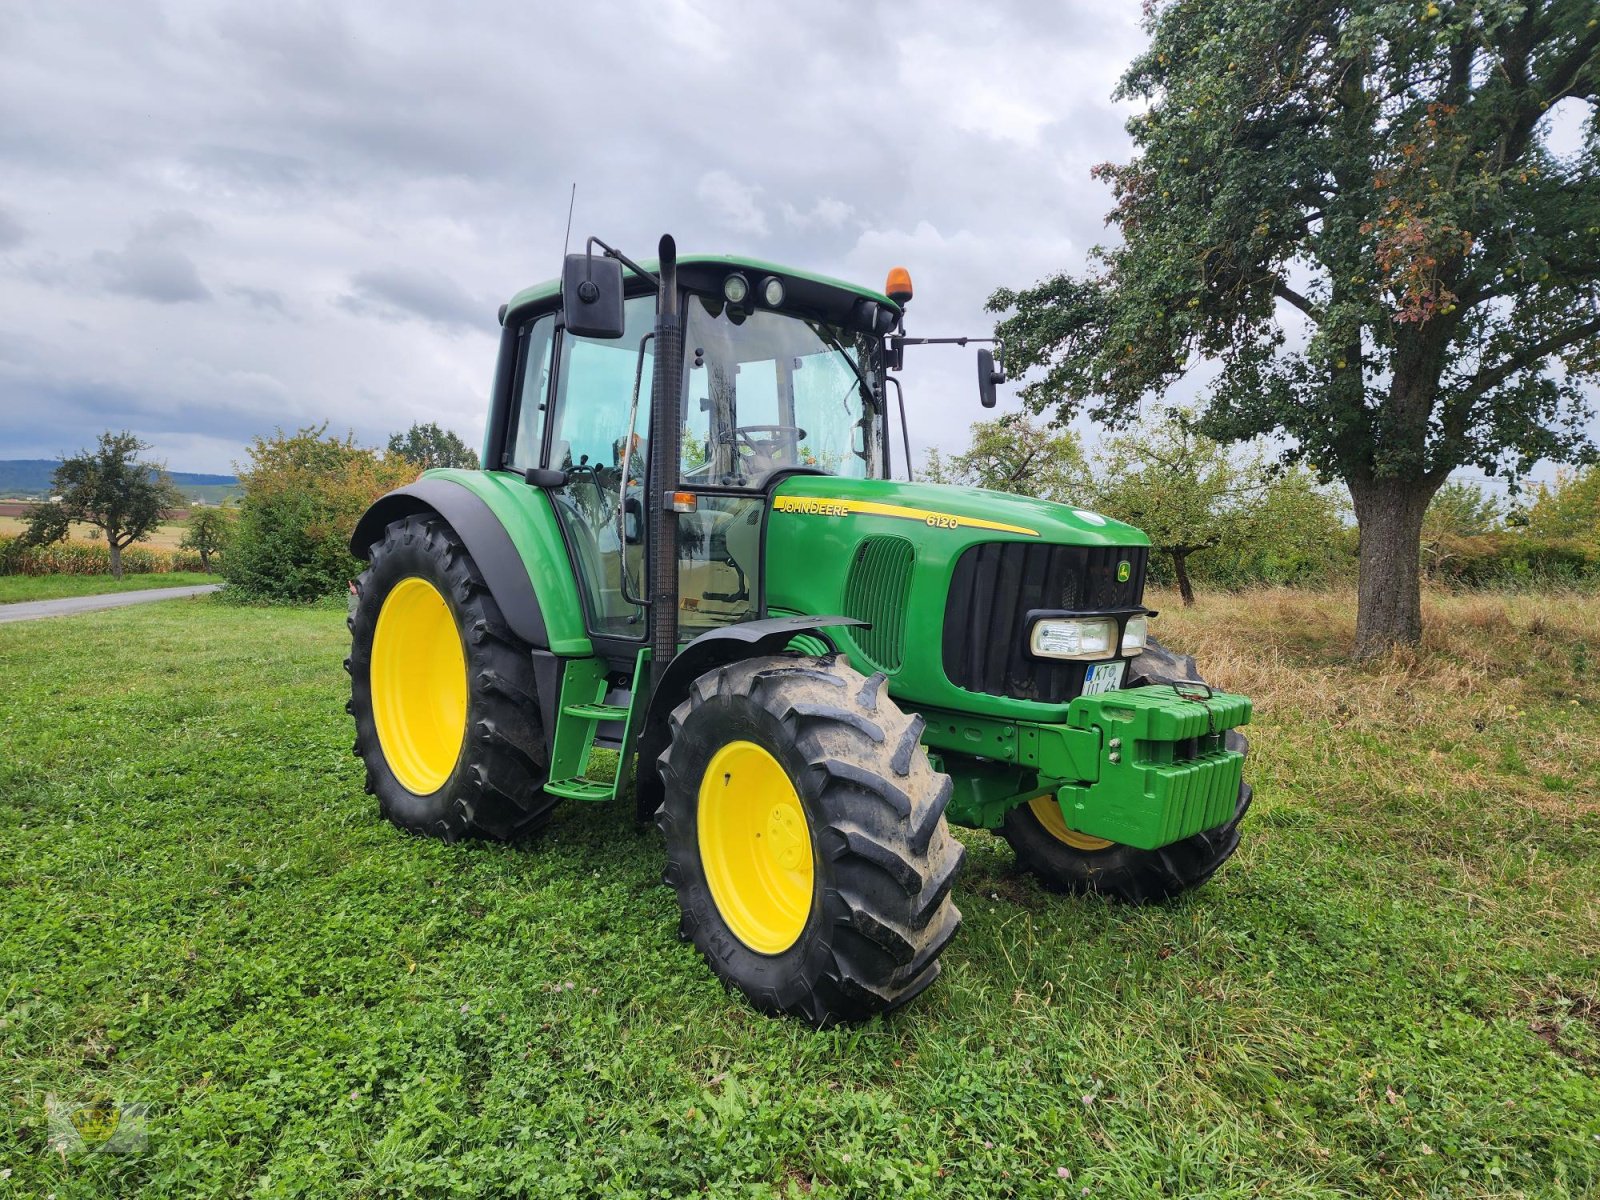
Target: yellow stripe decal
x=830 y=506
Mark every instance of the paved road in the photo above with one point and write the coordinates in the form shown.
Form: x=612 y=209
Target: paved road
x=29 y=610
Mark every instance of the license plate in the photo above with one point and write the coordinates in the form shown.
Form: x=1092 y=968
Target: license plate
x=1103 y=677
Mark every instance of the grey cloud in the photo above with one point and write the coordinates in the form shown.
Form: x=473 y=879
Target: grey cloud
x=431 y=295
x=12 y=230
x=262 y=298
x=151 y=267
x=158 y=273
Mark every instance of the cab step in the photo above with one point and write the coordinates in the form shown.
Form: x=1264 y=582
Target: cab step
x=596 y=712
x=582 y=788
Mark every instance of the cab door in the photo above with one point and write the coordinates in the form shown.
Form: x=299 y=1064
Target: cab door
x=600 y=506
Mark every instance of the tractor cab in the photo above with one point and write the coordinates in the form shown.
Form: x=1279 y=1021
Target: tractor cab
x=687 y=572
x=782 y=375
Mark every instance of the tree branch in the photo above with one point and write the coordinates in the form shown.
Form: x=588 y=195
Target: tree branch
x=1526 y=356
x=1284 y=292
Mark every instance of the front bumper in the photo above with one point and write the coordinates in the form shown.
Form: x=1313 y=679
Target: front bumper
x=1144 y=767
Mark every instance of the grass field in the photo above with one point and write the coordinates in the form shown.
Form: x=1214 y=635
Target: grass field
x=1392 y=990
x=14 y=588
x=163 y=537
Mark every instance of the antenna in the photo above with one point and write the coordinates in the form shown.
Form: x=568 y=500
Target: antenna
x=566 y=242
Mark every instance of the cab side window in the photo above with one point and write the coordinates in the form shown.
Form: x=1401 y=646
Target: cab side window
x=526 y=440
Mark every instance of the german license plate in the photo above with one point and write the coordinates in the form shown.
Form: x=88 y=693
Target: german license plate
x=1103 y=677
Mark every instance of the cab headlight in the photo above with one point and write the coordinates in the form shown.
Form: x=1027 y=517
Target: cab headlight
x=1134 y=636
x=1074 y=637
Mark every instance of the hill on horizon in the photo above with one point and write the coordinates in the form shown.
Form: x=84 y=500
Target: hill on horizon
x=31 y=477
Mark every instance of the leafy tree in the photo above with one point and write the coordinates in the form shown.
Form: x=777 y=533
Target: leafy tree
x=47 y=523
x=207 y=533
x=429 y=446
x=1294 y=531
x=303 y=493
x=1013 y=454
x=1188 y=492
x=1570 y=508
x=1354 y=209
x=111 y=488
x=1461 y=509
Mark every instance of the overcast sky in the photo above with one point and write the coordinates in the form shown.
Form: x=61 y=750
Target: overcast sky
x=220 y=218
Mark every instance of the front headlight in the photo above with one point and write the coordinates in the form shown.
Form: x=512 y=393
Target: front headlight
x=1134 y=636
x=1074 y=637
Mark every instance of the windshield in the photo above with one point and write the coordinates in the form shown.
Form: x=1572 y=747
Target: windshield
x=769 y=390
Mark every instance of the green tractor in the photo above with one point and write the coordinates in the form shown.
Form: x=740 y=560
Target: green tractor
x=686 y=545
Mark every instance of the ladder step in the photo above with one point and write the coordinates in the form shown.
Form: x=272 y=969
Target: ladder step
x=597 y=712
x=580 y=788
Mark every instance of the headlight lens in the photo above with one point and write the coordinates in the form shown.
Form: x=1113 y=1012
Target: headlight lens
x=1134 y=635
x=1069 y=637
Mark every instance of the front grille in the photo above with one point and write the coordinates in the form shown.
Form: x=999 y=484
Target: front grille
x=993 y=588
x=875 y=592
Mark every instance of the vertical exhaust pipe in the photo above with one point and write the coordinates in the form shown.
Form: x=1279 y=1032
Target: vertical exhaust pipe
x=666 y=452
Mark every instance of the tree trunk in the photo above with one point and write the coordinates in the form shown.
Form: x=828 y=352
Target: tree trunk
x=116 y=558
x=1180 y=568
x=1389 y=596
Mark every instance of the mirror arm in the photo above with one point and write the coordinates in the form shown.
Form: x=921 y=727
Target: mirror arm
x=613 y=252
x=905 y=430
x=544 y=477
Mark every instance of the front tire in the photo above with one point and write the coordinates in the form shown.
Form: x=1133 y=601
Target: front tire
x=442 y=692
x=806 y=838
x=1064 y=860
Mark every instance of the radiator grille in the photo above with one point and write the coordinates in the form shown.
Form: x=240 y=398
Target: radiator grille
x=993 y=588
x=876 y=591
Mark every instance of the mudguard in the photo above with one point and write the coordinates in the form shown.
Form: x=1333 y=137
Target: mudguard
x=500 y=528
x=716 y=648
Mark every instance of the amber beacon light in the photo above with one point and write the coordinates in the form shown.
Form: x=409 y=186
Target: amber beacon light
x=898 y=286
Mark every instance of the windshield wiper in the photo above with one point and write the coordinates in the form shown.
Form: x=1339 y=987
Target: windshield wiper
x=867 y=389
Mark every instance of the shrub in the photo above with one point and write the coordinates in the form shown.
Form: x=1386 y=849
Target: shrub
x=89 y=558
x=303 y=493
x=1498 y=559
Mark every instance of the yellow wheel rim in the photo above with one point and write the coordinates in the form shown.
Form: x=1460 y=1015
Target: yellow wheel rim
x=419 y=686
x=755 y=847
x=1048 y=812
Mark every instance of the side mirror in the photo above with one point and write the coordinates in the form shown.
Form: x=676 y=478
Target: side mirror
x=632 y=521
x=591 y=296
x=988 y=377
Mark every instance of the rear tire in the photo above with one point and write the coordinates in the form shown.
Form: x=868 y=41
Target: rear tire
x=1064 y=861
x=466 y=752
x=844 y=858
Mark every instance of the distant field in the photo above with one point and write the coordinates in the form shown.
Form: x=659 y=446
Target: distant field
x=1392 y=990
x=15 y=589
x=166 y=537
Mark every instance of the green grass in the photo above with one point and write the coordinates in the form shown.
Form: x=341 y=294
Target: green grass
x=1391 y=991
x=16 y=588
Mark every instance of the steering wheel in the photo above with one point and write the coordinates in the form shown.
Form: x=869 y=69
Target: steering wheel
x=743 y=433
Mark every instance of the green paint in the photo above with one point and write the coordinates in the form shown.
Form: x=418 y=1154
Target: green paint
x=1114 y=764
x=531 y=522
x=582 y=708
x=540 y=293
x=809 y=552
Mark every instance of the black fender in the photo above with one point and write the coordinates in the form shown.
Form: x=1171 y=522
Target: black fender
x=710 y=650
x=486 y=540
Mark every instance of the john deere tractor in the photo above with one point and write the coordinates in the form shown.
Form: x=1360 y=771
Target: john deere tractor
x=687 y=545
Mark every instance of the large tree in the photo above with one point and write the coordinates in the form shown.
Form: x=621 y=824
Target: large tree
x=1013 y=454
x=111 y=488
x=1352 y=206
x=431 y=445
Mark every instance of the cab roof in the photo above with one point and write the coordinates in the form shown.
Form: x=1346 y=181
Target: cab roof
x=692 y=264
